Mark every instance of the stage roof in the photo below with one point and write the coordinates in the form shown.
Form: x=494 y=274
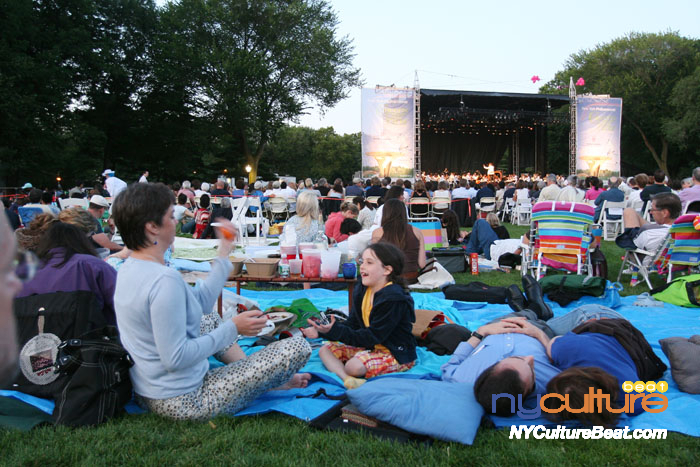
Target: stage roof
x=433 y=99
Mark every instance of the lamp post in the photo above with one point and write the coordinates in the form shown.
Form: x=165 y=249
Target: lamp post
x=248 y=169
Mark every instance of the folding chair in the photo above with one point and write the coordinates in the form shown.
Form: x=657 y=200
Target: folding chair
x=373 y=200
x=487 y=205
x=636 y=205
x=254 y=219
x=419 y=207
x=684 y=247
x=693 y=207
x=522 y=212
x=278 y=208
x=560 y=236
x=507 y=210
x=440 y=205
x=73 y=202
x=611 y=208
x=645 y=262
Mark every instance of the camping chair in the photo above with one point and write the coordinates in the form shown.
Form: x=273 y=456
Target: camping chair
x=440 y=205
x=28 y=213
x=419 y=207
x=684 y=247
x=487 y=205
x=431 y=228
x=522 y=212
x=278 y=208
x=73 y=202
x=611 y=208
x=559 y=237
x=645 y=262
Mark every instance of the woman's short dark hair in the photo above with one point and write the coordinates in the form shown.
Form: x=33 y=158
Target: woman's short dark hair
x=69 y=238
x=390 y=255
x=182 y=198
x=395 y=192
x=204 y=201
x=350 y=226
x=138 y=205
x=492 y=381
x=576 y=383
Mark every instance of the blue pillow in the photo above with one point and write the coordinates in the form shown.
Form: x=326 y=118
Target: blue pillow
x=442 y=410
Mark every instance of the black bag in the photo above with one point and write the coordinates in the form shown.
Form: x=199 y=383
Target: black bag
x=599 y=264
x=46 y=320
x=94 y=369
x=453 y=259
x=475 y=292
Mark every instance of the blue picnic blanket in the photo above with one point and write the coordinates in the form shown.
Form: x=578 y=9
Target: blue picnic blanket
x=655 y=322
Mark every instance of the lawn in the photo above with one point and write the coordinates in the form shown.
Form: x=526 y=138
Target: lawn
x=280 y=440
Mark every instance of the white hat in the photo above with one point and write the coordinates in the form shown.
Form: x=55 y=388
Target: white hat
x=258 y=185
x=100 y=201
x=107 y=172
x=27 y=186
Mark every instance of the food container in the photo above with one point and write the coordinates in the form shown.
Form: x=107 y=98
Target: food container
x=311 y=264
x=330 y=262
x=288 y=252
x=474 y=263
x=237 y=267
x=262 y=267
x=305 y=246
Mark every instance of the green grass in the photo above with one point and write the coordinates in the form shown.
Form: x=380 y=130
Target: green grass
x=280 y=440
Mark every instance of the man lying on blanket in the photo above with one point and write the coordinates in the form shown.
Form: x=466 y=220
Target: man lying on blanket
x=500 y=358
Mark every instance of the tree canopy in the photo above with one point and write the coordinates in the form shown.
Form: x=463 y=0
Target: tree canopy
x=195 y=86
x=643 y=69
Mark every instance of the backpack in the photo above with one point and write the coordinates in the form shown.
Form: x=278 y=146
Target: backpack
x=683 y=291
x=574 y=284
x=94 y=371
x=475 y=292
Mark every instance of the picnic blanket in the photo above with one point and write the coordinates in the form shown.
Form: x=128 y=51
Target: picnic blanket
x=655 y=322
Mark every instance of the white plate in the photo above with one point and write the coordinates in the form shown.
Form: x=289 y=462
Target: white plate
x=269 y=327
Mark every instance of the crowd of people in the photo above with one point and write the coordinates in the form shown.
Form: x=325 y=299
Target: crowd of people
x=170 y=330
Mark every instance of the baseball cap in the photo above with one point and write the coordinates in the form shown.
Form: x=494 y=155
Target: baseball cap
x=99 y=200
x=27 y=186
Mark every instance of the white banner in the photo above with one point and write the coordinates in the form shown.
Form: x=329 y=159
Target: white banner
x=388 y=119
x=598 y=124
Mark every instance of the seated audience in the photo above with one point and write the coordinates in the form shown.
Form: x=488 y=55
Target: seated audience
x=347 y=211
x=638 y=233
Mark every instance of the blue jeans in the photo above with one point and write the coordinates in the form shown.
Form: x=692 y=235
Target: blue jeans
x=481 y=238
x=563 y=324
x=188 y=227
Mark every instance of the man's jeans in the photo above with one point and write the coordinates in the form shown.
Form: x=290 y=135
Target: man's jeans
x=562 y=324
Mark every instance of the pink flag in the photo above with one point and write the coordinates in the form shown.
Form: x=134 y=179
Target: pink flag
x=535 y=79
x=580 y=82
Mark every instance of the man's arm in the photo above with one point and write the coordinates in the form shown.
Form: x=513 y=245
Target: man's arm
x=523 y=326
x=102 y=240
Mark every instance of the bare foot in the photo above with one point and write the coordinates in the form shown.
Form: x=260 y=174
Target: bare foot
x=298 y=381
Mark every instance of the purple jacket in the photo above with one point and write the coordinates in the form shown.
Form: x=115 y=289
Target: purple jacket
x=81 y=272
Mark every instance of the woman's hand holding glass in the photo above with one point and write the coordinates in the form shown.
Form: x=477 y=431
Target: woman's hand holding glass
x=249 y=323
x=226 y=232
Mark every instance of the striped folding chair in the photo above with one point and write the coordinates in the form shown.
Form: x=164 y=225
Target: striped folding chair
x=684 y=247
x=560 y=236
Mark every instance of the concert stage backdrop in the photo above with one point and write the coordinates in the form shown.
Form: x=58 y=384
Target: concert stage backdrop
x=388 y=132
x=598 y=121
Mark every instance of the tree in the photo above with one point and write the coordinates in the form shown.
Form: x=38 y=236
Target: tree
x=643 y=70
x=254 y=65
x=683 y=126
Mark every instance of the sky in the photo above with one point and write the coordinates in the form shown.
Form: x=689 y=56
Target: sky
x=483 y=45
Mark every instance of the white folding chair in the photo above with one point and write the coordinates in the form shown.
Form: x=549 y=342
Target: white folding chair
x=522 y=212
x=373 y=199
x=487 y=205
x=611 y=227
x=278 y=207
x=508 y=205
x=419 y=207
x=255 y=220
x=440 y=205
x=73 y=202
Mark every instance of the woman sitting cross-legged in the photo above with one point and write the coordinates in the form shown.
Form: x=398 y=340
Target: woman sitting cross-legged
x=376 y=338
x=159 y=318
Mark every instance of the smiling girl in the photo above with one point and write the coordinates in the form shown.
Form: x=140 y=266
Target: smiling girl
x=376 y=338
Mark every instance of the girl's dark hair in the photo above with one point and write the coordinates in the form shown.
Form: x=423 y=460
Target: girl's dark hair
x=69 y=238
x=390 y=255
x=182 y=198
x=451 y=223
x=362 y=203
x=138 y=205
x=394 y=222
x=575 y=382
x=204 y=201
x=338 y=186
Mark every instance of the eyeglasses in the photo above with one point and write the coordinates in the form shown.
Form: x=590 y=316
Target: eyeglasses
x=25 y=265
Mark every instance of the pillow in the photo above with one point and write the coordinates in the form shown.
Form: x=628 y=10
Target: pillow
x=684 y=356
x=442 y=410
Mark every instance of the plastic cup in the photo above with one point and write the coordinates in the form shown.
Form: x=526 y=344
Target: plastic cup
x=311 y=264
x=295 y=267
x=349 y=271
x=330 y=262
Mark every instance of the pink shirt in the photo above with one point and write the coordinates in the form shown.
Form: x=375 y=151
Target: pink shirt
x=333 y=227
x=593 y=193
